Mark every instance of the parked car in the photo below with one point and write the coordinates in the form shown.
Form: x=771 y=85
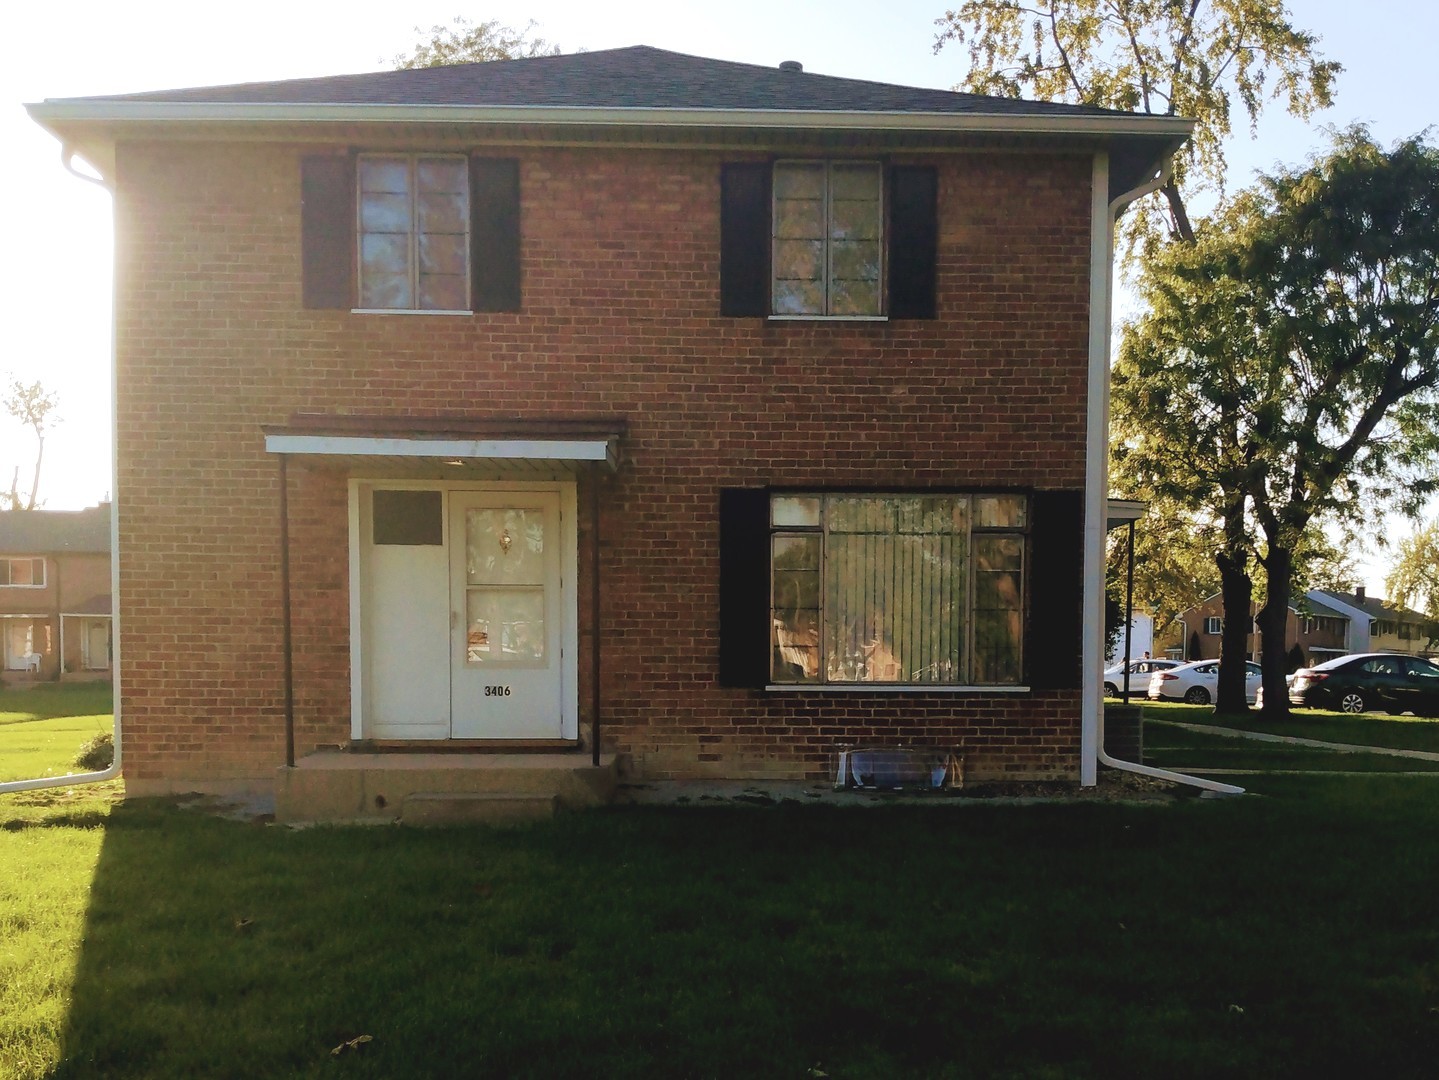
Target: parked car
x=1198 y=683
x=1139 y=673
x=1354 y=684
x=1259 y=694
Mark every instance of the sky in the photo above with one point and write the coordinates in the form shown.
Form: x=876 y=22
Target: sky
x=57 y=274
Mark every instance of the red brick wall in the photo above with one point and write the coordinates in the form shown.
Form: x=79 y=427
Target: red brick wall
x=620 y=318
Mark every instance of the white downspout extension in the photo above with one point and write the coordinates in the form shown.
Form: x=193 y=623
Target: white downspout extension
x=74 y=779
x=1103 y=215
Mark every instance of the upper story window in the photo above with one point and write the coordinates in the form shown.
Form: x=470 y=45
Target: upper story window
x=829 y=239
x=1213 y=624
x=22 y=573
x=414 y=233
x=828 y=230
x=386 y=232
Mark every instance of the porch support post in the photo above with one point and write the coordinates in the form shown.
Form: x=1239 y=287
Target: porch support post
x=595 y=613
x=285 y=611
x=1129 y=611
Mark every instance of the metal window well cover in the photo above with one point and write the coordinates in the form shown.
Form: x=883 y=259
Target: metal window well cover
x=898 y=768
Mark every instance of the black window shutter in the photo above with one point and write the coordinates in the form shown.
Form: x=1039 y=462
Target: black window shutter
x=744 y=239
x=913 y=240
x=495 y=234
x=1052 y=647
x=327 y=231
x=744 y=615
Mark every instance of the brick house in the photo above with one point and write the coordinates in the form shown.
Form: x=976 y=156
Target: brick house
x=55 y=618
x=742 y=413
x=1376 y=625
x=1321 y=630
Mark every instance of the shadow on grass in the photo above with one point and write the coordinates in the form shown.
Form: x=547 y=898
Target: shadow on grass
x=84 y=819
x=1291 y=935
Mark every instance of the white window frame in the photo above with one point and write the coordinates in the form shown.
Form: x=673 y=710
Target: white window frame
x=883 y=240
x=965 y=681
x=413 y=160
x=1213 y=624
x=9 y=560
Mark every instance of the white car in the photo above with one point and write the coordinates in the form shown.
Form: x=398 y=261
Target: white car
x=1139 y=673
x=1198 y=683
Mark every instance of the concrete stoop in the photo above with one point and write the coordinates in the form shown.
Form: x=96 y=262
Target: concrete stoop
x=335 y=786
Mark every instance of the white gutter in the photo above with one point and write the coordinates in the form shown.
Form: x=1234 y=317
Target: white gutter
x=109 y=110
x=113 y=772
x=1103 y=215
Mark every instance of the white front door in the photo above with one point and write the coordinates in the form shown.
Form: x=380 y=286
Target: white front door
x=506 y=615
x=463 y=627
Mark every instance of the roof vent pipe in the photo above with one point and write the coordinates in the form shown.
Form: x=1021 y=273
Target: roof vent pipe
x=790 y=65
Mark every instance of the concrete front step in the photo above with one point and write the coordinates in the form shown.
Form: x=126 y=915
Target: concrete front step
x=343 y=786
x=472 y=808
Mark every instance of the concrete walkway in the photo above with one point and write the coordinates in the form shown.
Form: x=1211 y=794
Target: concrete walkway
x=1318 y=744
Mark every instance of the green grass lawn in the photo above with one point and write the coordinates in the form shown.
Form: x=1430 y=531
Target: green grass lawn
x=43 y=727
x=1171 y=747
x=1292 y=934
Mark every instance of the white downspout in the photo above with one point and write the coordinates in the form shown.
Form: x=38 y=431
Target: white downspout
x=66 y=156
x=1103 y=214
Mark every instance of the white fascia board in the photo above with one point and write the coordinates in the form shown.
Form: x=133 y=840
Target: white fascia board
x=510 y=449
x=93 y=110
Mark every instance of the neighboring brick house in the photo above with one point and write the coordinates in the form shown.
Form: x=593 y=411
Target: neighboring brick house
x=1379 y=626
x=55 y=618
x=1319 y=629
x=821 y=362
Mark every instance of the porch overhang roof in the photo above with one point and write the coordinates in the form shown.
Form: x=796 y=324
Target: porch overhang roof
x=1122 y=511
x=439 y=444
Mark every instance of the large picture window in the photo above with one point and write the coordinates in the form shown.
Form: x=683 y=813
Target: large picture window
x=897 y=588
x=414 y=214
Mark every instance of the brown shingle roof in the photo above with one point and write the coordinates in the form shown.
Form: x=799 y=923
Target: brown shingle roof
x=48 y=532
x=639 y=77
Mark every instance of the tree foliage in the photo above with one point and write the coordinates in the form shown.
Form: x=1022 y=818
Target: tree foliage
x=1290 y=356
x=464 y=42
x=33 y=406
x=1188 y=58
x=1413 y=582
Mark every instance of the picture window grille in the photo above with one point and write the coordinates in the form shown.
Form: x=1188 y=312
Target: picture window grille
x=903 y=589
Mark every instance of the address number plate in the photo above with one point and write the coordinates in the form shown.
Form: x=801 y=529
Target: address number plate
x=497 y=691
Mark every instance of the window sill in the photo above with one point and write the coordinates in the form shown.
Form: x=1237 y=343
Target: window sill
x=892 y=688
x=408 y=311
x=828 y=318
x=40 y=586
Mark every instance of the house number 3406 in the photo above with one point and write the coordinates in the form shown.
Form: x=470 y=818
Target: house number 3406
x=497 y=691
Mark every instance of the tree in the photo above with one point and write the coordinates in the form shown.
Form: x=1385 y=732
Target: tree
x=1190 y=58
x=33 y=406
x=463 y=42
x=1293 y=351
x=1413 y=582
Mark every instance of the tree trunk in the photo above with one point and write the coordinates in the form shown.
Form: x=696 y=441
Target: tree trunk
x=1237 y=592
x=1273 y=623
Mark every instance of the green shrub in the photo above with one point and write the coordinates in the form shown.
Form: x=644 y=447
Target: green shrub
x=97 y=753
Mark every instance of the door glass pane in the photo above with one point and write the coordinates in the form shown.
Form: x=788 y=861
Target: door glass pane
x=505 y=546
x=504 y=625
